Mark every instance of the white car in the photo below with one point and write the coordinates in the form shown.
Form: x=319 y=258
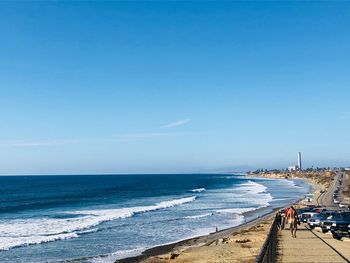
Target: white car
x=336 y=201
x=341 y=205
x=305 y=216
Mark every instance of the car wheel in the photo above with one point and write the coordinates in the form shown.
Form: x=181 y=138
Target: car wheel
x=312 y=227
x=324 y=231
x=336 y=236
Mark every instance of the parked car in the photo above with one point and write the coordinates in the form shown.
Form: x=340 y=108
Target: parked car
x=326 y=224
x=319 y=210
x=305 y=216
x=336 y=201
x=341 y=226
x=316 y=220
x=341 y=205
x=303 y=210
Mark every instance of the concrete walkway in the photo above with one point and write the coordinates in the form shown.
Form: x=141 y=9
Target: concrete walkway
x=311 y=246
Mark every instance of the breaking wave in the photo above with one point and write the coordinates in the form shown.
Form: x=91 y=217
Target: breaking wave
x=292 y=184
x=199 y=216
x=251 y=193
x=24 y=232
x=238 y=211
x=117 y=255
x=198 y=190
x=252 y=187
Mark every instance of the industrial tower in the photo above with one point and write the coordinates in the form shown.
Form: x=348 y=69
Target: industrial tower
x=299 y=161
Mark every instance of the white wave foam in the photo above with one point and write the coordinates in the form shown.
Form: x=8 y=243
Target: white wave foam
x=252 y=187
x=117 y=255
x=238 y=211
x=261 y=200
x=22 y=232
x=198 y=216
x=198 y=190
x=282 y=199
x=254 y=193
x=93 y=230
x=7 y=243
x=292 y=184
x=251 y=193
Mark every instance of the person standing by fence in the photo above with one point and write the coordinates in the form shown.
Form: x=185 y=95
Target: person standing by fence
x=279 y=220
x=283 y=219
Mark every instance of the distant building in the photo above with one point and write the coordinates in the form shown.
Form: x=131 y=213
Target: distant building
x=297 y=167
x=292 y=168
x=300 y=167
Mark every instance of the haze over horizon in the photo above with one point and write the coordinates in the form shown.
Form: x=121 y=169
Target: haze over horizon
x=142 y=87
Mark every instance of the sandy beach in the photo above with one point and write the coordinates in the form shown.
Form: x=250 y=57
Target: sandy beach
x=237 y=244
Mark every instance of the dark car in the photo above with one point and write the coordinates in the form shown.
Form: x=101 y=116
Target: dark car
x=341 y=226
x=318 y=209
x=326 y=224
x=304 y=209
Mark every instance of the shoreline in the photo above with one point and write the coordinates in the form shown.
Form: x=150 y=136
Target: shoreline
x=174 y=249
x=198 y=240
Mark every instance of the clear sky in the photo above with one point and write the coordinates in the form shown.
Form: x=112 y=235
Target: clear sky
x=130 y=87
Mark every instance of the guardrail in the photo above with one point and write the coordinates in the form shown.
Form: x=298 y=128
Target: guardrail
x=269 y=250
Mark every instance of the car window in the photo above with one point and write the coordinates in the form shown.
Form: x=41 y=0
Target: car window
x=346 y=217
x=334 y=216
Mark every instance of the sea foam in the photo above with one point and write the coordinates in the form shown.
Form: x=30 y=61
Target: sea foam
x=117 y=255
x=252 y=187
x=199 y=216
x=198 y=190
x=251 y=193
x=292 y=184
x=238 y=211
x=23 y=232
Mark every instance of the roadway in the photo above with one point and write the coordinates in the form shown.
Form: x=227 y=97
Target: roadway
x=326 y=198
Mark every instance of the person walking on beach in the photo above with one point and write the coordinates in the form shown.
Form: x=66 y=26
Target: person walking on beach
x=292 y=217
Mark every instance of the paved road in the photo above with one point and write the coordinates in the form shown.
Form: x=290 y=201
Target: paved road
x=326 y=199
x=312 y=245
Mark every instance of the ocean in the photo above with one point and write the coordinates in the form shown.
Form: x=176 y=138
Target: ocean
x=101 y=218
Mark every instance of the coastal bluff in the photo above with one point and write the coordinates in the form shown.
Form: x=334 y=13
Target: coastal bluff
x=322 y=179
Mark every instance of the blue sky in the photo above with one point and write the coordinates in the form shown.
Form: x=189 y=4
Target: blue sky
x=130 y=87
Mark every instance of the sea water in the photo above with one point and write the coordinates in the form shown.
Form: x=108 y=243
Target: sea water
x=101 y=218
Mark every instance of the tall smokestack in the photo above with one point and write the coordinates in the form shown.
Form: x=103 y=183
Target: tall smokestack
x=299 y=161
